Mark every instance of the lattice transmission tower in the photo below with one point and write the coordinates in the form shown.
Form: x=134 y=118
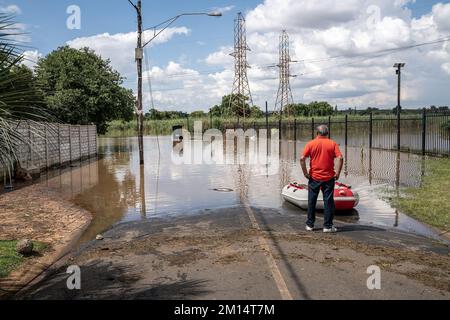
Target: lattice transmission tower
x=240 y=94
x=284 y=95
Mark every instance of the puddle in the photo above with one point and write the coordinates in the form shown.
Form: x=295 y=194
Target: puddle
x=116 y=189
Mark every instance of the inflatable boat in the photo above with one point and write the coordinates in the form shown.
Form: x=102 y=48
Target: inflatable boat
x=345 y=199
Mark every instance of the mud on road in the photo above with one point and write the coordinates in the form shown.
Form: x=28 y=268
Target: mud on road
x=217 y=254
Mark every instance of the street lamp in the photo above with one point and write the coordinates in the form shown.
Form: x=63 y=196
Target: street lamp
x=140 y=55
x=167 y=23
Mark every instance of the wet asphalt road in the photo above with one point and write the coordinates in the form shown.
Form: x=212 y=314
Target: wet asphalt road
x=227 y=254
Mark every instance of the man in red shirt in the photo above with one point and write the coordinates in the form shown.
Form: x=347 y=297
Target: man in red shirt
x=321 y=176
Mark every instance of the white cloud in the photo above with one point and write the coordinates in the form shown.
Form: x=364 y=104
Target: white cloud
x=221 y=57
x=10 y=9
x=446 y=67
x=334 y=42
x=223 y=9
x=274 y=15
x=119 y=48
x=31 y=58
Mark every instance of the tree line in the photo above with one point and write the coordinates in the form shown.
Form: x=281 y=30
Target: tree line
x=77 y=87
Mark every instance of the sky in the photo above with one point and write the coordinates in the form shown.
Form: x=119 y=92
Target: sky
x=345 y=49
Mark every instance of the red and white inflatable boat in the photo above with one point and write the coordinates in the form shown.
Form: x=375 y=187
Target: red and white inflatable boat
x=345 y=199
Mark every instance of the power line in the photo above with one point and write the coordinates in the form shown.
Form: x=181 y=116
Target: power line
x=381 y=53
x=387 y=51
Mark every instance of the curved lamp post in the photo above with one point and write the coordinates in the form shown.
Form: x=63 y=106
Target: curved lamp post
x=140 y=56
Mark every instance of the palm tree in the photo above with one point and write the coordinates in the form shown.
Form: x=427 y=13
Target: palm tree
x=18 y=96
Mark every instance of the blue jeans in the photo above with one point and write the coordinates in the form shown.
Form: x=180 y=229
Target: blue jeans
x=314 y=188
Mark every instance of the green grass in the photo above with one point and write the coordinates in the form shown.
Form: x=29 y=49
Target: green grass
x=10 y=259
x=430 y=203
x=120 y=128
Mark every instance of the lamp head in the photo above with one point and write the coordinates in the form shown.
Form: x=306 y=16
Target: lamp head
x=215 y=14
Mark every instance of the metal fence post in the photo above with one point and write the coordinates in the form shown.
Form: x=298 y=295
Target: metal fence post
x=424 y=130
x=398 y=129
x=267 y=118
x=295 y=129
x=346 y=129
x=370 y=129
x=312 y=128
x=329 y=126
x=279 y=128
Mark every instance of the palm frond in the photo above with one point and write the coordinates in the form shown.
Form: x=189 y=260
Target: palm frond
x=18 y=97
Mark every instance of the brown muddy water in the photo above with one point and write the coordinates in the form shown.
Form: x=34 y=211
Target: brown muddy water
x=115 y=188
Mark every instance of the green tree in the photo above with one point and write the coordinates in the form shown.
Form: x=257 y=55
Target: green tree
x=80 y=88
x=239 y=108
x=155 y=114
x=198 y=114
x=256 y=112
x=320 y=109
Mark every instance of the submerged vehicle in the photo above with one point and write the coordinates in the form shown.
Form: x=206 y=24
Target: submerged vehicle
x=345 y=199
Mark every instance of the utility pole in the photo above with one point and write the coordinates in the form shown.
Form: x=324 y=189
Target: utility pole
x=398 y=71
x=284 y=95
x=241 y=89
x=139 y=54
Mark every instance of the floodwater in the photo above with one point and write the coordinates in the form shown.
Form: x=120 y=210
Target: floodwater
x=116 y=188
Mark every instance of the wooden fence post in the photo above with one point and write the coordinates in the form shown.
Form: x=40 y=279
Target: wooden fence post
x=312 y=129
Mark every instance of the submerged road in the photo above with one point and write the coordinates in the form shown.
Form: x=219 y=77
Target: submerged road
x=250 y=253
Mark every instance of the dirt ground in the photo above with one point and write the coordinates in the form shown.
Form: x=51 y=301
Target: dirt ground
x=224 y=254
x=36 y=213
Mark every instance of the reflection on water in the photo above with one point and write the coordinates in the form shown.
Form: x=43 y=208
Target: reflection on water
x=116 y=188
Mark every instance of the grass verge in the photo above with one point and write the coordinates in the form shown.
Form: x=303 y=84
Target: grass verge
x=430 y=203
x=11 y=260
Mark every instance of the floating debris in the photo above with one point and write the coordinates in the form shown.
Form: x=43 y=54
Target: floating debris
x=223 y=189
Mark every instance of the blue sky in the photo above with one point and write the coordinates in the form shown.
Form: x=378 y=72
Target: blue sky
x=46 y=20
x=197 y=58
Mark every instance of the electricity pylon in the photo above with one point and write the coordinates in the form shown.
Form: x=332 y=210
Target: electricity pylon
x=240 y=94
x=284 y=95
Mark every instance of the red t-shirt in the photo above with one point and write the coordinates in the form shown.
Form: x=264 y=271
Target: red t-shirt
x=322 y=152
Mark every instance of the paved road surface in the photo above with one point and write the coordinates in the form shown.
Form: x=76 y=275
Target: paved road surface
x=250 y=253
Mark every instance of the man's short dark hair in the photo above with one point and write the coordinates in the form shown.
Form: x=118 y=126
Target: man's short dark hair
x=323 y=130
